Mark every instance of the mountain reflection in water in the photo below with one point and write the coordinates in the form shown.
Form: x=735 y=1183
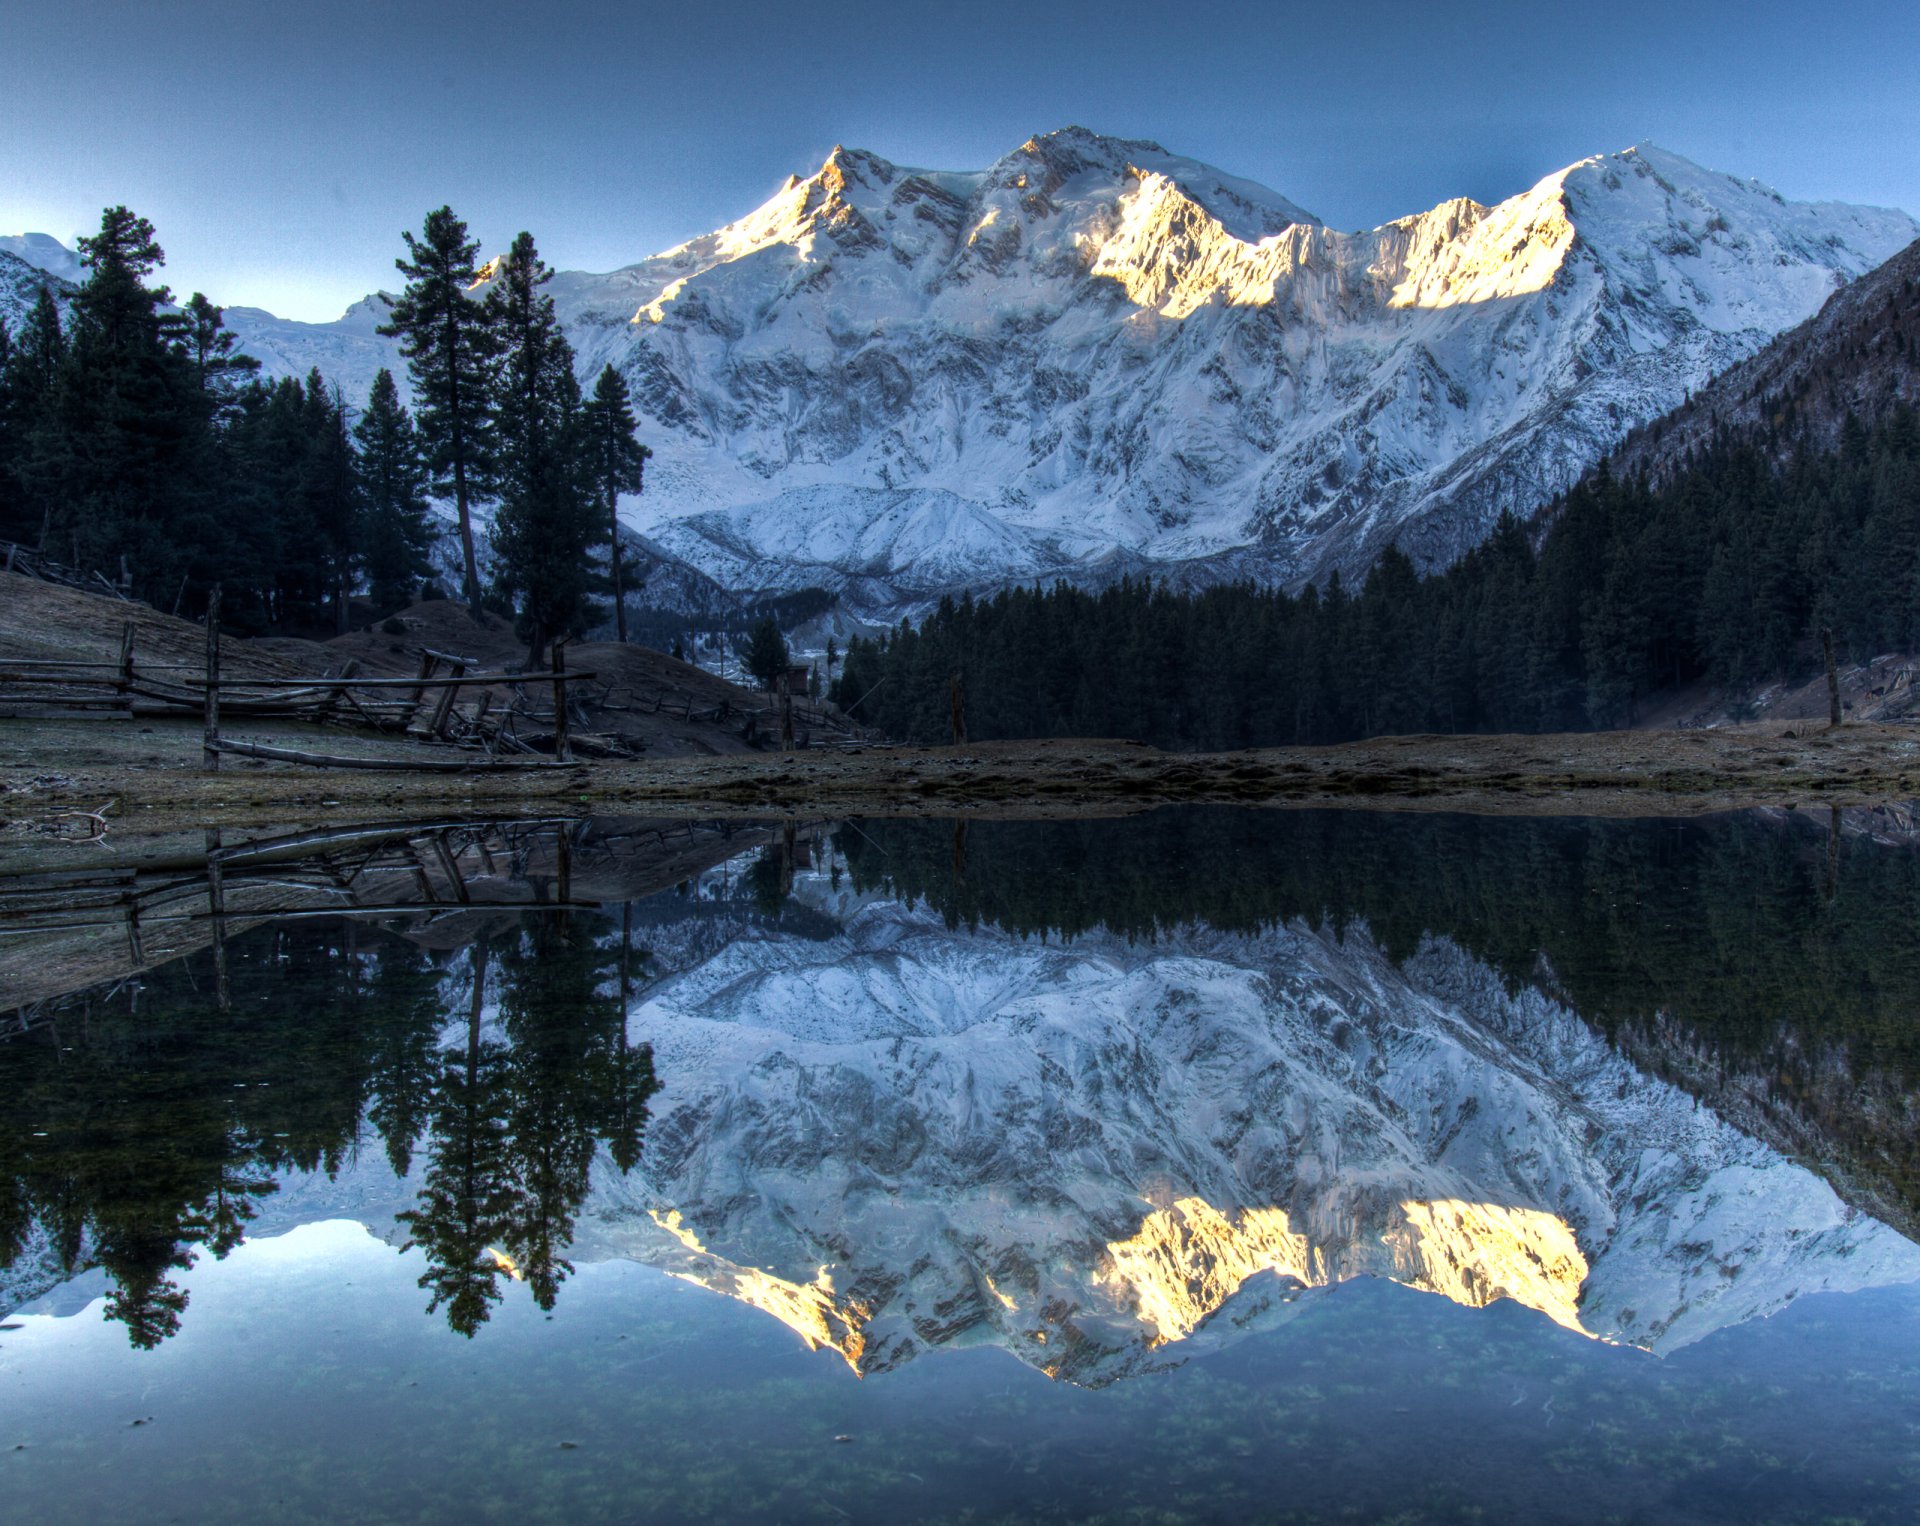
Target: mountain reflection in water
x=1103 y=1095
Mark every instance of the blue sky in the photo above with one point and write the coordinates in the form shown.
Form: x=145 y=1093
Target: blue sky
x=280 y=148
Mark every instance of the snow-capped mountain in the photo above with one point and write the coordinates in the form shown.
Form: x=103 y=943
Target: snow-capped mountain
x=22 y=274
x=1096 y=356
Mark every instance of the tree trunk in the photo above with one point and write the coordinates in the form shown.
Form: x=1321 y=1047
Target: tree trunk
x=1833 y=679
x=471 y=566
x=210 y=737
x=619 y=576
x=957 y=701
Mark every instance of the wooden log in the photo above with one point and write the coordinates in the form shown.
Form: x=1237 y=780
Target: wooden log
x=210 y=737
x=400 y=765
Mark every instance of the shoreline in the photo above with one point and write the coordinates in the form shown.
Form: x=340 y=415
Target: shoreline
x=1645 y=773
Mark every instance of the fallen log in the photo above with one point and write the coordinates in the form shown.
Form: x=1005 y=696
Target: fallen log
x=478 y=764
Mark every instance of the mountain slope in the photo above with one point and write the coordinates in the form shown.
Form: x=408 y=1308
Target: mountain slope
x=1859 y=355
x=1097 y=357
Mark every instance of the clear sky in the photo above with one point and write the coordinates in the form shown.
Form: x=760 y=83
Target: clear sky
x=280 y=147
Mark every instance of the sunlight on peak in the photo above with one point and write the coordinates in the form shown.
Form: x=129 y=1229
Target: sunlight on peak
x=808 y=1309
x=1188 y=1260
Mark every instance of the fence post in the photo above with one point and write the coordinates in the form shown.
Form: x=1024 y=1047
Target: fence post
x=126 y=666
x=562 y=748
x=210 y=740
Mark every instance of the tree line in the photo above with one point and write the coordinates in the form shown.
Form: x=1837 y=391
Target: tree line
x=1623 y=589
x=135 y=441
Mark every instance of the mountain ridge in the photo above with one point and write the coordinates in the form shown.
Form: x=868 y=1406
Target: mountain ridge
x=1094 y=357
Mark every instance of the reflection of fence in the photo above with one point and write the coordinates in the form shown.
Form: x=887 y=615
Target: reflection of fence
x=66 y=930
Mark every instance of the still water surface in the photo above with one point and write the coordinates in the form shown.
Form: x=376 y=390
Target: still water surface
x=1207 y=1165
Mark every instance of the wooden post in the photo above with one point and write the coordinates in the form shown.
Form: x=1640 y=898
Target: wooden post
x=210 y=738
x=450 y=867
x=427 y=664
x=126 y=666
x=786 y=715
x=443 y=711
x=1833 y=679
x=338 y=692
x=562 y=749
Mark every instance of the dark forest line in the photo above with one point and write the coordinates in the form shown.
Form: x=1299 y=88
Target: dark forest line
x=1622 y=591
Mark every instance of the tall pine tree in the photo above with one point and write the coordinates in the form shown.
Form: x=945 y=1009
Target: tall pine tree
x=452 y=352
x=126 y=452
x=616 y=463
x=547 y=524
x=394 y=531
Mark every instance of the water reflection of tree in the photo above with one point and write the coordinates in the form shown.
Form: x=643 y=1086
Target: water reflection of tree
x=518 y=1119
x=142 y=1125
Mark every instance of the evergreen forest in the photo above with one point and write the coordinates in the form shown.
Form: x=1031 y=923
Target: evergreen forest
x=1727 y=574
x=136 y=443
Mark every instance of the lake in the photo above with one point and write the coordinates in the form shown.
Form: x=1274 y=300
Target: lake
x=1201 y=1165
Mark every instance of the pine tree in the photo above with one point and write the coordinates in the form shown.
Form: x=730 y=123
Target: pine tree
x=617 y=464
x=39 y=351
x=766 y=653
x=547 y=524
x=328 y=494
x=452 y=351
x=210 y=348
x=394 y=532
x=125 y=454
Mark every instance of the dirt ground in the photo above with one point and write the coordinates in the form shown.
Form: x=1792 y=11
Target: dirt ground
x=143 y=777
x=48 y=773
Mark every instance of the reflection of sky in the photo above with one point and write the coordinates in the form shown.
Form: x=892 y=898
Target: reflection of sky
x=307 y=1384
x=613 y=132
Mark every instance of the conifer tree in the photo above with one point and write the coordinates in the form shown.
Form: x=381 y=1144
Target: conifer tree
x=547 y=523
x=125 y=451
x=766 y=653
x=329 y=492
x=210 y=348
x=394 y=532
x=452 y=352
x=39 y=352
x=616 y=462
